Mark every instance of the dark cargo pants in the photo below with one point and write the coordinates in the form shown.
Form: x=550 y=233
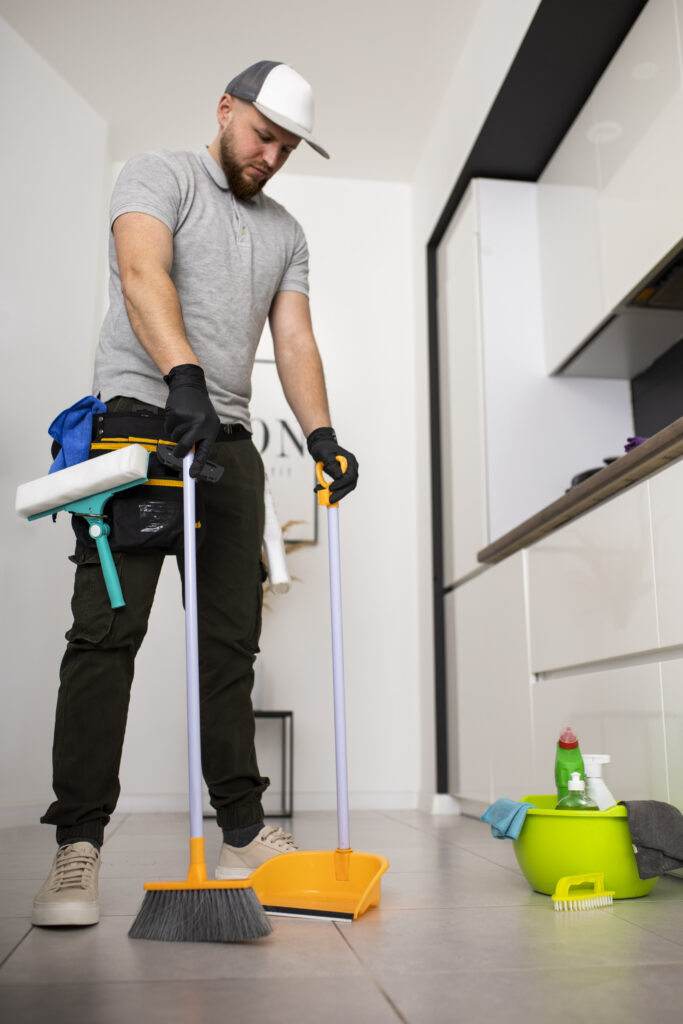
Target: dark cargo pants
x=97 y=669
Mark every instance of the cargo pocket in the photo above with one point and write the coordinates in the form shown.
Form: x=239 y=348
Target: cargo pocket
x=90 y=605
x=252 y=643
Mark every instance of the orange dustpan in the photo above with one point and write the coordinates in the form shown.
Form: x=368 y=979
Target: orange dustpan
x=338 y=884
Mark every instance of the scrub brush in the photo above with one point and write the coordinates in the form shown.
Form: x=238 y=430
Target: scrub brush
x=586 y=899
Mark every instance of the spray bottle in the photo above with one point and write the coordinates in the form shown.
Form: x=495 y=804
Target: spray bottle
x=596 y=788
x=567 y=760
x=576 y=799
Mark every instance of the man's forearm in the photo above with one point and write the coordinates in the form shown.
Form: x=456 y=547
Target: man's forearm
x=301 y=374
x=156 y=317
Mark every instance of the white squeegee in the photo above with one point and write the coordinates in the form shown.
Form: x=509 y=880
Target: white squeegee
x=106 y=472
x=84 y=489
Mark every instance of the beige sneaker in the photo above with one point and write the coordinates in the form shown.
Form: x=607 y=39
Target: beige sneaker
x=240 y=861
x=69 y=895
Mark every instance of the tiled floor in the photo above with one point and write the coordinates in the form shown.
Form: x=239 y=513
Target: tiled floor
x=459 y=936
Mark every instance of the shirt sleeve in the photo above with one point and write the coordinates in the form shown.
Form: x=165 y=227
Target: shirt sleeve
x=295 y=277
x=148 y=183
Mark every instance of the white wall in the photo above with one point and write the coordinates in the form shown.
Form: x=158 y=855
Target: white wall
x=52 y=168
x=487 y=55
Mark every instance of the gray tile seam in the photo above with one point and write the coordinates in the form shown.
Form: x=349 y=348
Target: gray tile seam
x=15 y=947
x=644 y=965
x=649 y=931
x=112 y=831
x=372 y=978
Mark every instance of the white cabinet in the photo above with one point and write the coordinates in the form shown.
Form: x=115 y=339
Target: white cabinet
x=583 y=628
x=616 y=712
x=638 y=108
x=512 y=438
x=489 y=686
x=591 y=586
x=666 y=497
x=463 y=456
x=672 y=696
x=610 y=200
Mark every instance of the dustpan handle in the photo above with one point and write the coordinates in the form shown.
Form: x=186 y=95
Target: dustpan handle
x=338 y=679
x=194 y=750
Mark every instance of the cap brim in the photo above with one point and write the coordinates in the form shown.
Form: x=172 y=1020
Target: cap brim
x=291 y=126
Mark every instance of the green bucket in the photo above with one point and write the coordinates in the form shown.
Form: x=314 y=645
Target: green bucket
x=553 y=844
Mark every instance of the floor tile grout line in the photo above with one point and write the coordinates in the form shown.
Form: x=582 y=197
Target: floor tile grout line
x=443 y=840
x=16 y=946
x=648 y=931
x=116 y=827
x=433 y=833
x=372 y=977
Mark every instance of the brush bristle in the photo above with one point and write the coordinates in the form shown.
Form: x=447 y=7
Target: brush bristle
x=583 y=903
x=200 y=915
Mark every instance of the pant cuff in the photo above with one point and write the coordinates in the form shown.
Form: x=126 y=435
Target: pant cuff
x=88 y=830
x=240 y=816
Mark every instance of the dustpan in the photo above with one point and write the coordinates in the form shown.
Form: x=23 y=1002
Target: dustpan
x=337 y=884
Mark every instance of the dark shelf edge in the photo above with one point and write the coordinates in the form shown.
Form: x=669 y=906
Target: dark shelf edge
x=647 y=458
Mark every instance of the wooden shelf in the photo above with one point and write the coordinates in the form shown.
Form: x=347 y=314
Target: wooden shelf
x=658 y=451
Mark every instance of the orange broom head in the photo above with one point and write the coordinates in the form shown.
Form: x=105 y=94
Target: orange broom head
x=198 y=910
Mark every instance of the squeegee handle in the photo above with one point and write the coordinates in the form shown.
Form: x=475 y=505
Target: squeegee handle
x=99 y=532
x=194 y=754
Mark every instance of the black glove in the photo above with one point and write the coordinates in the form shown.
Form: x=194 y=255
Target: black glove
x=190 y=417
x=323 y=446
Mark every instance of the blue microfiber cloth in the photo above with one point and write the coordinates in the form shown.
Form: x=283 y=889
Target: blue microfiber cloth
x=72 y=429
x=506 y=817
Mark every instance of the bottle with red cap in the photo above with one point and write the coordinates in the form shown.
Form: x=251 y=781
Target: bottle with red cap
x=568 y=759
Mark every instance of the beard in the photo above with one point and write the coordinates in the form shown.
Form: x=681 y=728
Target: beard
x=240 y=186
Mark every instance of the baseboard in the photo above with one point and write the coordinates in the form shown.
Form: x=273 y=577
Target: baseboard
x=15 y=815
x=472 y=808
x=151 y=803
x=444 y=803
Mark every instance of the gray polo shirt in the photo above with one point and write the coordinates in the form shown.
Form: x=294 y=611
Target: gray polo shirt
x=230 y=258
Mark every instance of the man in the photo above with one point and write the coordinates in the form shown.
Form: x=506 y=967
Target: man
x=200 y=257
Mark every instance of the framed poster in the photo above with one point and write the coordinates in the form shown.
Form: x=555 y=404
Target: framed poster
x=281 y=442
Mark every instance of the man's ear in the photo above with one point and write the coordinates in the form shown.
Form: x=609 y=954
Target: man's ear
x=226 y=105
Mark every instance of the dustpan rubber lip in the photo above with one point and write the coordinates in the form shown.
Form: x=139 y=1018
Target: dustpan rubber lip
x=306 y=912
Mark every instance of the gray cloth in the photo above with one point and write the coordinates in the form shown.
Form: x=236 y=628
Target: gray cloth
x=230 y=258
x=657 y=836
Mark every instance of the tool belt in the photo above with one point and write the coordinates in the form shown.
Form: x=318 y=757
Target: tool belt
x=148 y=517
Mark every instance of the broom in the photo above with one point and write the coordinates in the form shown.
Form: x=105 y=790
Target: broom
x=197 y=910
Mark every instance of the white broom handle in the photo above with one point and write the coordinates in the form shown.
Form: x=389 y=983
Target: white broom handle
x=194 y=749
x=338 y=679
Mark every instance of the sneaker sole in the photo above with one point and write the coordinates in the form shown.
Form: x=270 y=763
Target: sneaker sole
x=47 y=915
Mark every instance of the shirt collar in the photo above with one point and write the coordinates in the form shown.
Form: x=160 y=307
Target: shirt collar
x=213 y=170
x=217 y=174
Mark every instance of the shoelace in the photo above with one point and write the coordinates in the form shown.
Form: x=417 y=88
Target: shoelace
x=277 y=837
x=73 y=869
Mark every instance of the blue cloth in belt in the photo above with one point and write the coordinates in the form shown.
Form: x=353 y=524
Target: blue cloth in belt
x=72 y=429
x=506 y=817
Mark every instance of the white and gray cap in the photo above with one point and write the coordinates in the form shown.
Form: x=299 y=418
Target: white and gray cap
x=280 y=94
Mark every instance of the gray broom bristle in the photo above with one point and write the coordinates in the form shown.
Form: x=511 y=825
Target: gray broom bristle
x=200 y=915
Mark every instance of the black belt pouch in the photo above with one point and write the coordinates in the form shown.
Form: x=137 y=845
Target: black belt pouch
x=148 y=517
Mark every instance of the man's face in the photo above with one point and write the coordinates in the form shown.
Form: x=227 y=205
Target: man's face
x=252 y=149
